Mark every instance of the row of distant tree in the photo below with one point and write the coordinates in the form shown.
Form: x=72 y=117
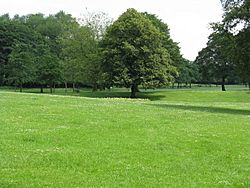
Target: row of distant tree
x=135 y=50
x=44 y=51
x=227 y=54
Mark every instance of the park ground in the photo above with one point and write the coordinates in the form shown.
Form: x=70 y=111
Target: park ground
x=167 y=138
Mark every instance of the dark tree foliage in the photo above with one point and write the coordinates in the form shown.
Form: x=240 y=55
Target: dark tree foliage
x=20 y=68
x=237 y=21
x=12 y=34
x=242 y=55
x=215 y=61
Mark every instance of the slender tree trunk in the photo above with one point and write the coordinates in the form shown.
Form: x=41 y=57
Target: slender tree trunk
x=223 y=84
x=41 y=89
x=94 y=87
x=178 y=85
x=66 y=87
x=249 y=85
x=21 y=88
x=74 y=87
x=190 y=85
x=54 y=88
x=51 y=89
x=134 y=87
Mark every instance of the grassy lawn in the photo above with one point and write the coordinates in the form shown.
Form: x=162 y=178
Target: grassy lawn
x=175 y=138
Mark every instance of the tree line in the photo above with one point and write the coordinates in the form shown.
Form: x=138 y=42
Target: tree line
x=95 y=51
x=44 y=51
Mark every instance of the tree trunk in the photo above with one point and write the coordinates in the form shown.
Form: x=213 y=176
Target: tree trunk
x=41 y=89
x=223 y=84
x=249 y=85
x=94 y=87
x=21 y=87
x=190 y=85
x=74 y=87
x=178 y=85
x=54 y=88
x=137 y=88
x=51 y=89
x=134 y=87
x=66 y=87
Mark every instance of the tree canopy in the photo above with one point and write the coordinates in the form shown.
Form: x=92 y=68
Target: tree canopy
x=237 y=21
x=134 y=53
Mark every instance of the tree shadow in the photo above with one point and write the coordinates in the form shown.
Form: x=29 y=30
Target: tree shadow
x=152 y=95
x=106 y=94
x=209 y=109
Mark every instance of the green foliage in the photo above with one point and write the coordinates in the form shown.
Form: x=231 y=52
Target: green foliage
x=81 y=56
x=216 y=60
x=14 y=36
x=134 y=53
x=237 y=20
x=49 y=69
x=187 y=72
x=168 y=43
x=20 y=68
x=242 y=55
x=237 y=13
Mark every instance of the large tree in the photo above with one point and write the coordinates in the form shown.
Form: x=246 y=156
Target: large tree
x=216 y=61
x=237 y=20
x=242 y=55
x=134 y=53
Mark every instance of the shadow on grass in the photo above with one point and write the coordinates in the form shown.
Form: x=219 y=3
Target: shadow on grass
x=105 y=94
x=209 y=109
x=151 y=95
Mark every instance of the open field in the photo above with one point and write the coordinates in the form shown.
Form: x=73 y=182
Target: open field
x=175 y=138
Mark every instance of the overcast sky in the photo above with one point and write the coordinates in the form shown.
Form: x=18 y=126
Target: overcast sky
x=188 y=19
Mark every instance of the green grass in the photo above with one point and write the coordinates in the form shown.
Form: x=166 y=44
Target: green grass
x=178 y=138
